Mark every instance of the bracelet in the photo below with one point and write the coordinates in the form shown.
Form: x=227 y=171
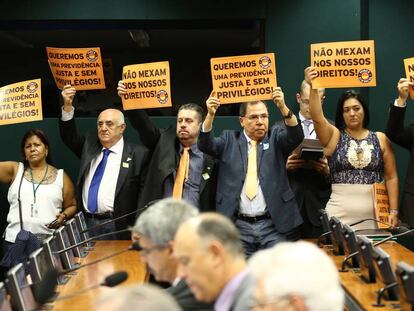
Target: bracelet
x=394 y=212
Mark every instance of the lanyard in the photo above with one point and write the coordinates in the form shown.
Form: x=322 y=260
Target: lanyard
x=43 y=179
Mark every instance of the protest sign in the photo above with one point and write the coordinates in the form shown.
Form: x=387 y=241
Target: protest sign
x=148 y=86
x=80 y=67
x=344 y=64
x=409 y=72
x=243 y=78
x=21 y=102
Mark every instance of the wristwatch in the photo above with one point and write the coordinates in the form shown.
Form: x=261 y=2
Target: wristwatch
x=289 y=115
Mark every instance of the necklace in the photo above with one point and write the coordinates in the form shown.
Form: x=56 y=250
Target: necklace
x=33 y=182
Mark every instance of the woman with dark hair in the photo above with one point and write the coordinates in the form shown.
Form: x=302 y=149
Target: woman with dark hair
x=46 y=194
x=357 y=158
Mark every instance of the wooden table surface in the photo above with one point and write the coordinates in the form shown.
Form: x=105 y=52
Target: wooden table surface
x=95 y=274
x=365 y=294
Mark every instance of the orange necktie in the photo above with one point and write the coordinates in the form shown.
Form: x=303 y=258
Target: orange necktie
x=182 y=173
x=251 y=176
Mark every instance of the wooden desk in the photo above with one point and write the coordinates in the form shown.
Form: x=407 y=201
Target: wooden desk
x=361 y=295
x=95 y=274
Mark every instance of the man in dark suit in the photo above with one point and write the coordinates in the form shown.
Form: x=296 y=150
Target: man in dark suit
x=156 y=228
x=112 y=170
x=210 y=259
x=308 y=178
x=404 y=137
x=253 y=187
x=167 y=147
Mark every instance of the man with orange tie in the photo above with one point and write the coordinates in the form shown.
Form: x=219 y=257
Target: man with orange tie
x=177 y=167
x=252 y=185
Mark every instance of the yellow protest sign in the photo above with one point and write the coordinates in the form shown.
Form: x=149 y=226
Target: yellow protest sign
x=409 y=72
x=80 y=67
x=21 y=102
x=148 y=86
x=344 y=64
x=243 y=78
x=381 y=204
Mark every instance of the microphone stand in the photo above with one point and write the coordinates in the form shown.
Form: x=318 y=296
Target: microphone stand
x=381 y=292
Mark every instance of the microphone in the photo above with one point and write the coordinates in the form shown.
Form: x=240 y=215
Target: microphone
x=91 y=239
x=120 y=217
x=403 y=231
x=366 y=219
x=134 y=247
x=110 y=281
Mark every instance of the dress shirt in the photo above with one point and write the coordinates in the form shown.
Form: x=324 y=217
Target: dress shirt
x=226 y=297
x=191 y=190
x=106 y=193
x=257 y=206
x=311 y=127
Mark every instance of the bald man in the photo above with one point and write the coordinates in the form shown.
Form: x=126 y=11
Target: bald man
x=210 y=259
x=112 y=171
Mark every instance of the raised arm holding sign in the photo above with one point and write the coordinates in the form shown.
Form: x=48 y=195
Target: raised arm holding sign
x=357 y=157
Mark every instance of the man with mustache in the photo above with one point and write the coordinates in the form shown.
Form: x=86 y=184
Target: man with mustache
x=177 y=168
x=252 y=187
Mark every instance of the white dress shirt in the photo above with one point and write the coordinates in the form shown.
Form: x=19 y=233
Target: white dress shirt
x=106 y=193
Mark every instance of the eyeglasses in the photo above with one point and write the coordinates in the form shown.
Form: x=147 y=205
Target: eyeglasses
x=284 y=301
x=146 y=251
x=256 y=117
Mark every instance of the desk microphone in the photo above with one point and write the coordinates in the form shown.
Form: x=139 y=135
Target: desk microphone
x=134 y=246
x=366 y=219
x=111 y=280
x=91 y=239
x=118 y=218
x=381 y=292
x=403 y=231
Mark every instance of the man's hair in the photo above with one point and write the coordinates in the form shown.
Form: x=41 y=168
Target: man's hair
x=142 y=297
x=305 y=84
x=217 y=227
x=160 y=221
x=193 y=107
x=299 y=269
x=243 y=107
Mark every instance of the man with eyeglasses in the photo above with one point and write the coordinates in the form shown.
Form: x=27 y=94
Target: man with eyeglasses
x=308 y=178
x=112 y=171
x=253 y=187
x=156 y=228
x=295 y=276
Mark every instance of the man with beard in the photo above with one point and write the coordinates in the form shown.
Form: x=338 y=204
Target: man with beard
x=177 y=168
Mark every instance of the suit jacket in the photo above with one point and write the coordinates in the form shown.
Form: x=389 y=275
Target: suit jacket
x=243 y=297
x=185 y=298
x=312 y=191
x=164 y=146
x=404 y=137
x=131 y=178
x=231 y=149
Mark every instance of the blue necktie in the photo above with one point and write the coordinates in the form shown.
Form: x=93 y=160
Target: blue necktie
x=96 y=182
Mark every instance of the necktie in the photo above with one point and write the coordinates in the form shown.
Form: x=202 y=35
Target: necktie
x=306 y=126
x=251 y=176
x=182 y=173
x=96 y=181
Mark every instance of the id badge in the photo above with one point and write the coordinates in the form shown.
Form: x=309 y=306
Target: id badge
x=34 y=210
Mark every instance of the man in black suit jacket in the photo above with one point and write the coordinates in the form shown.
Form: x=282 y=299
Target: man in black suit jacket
x=156 y=228
x=404 y=137
x=308 y=179
x=166 y=146
x=123 y=175
x=266 y=215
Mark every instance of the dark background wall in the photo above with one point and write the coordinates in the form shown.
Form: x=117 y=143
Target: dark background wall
x=288 y=28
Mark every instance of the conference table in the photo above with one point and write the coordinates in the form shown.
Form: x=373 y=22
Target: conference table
x=361 y=295
x=96 y=273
